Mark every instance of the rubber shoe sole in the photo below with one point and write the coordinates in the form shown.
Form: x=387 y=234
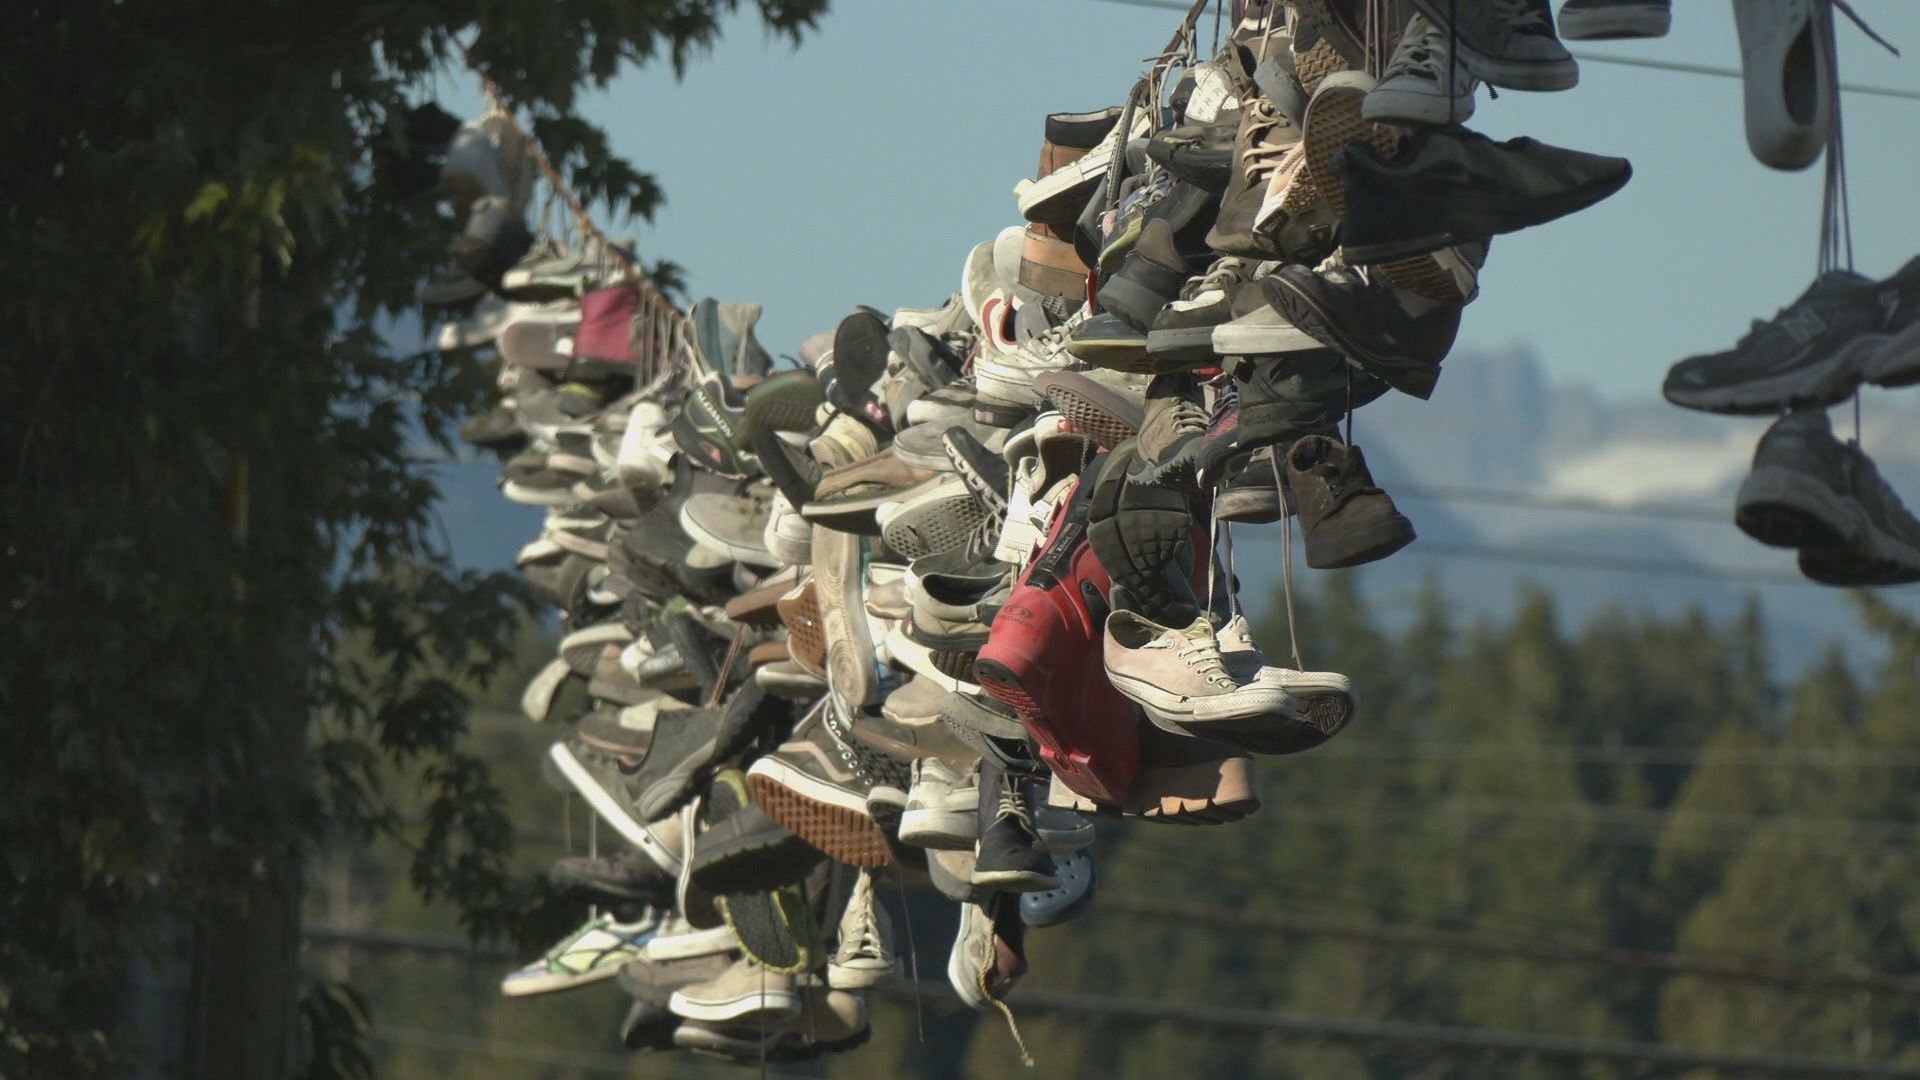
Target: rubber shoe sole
x=753 y=863
x=1142 y=535
x=831 y=819
x=1099 y=412
x=836 y=569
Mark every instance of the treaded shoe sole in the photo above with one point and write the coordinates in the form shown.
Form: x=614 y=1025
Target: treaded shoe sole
x=1142 y=535
x=829 y=818
x=1099 y=412
x=1179 y=350
x=1209 y=793
x=1782 y=507
x=1079 y=880
x=765 y=924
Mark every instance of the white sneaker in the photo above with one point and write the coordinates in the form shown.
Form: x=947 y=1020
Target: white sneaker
x=1179 y=677
x=1061 y=186
x=488 y=156
x=678 y=940
x=1422 y=85
x=1006 y=379
x=943 y=808
x=591 y=953
x=863 y=955
x=788 y=536
x=1784 y=56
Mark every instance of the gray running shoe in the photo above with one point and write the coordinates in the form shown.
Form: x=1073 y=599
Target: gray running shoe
x=1507 y=43
x=1811 y=491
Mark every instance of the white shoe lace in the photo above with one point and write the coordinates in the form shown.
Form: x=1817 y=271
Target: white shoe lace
x=861 y=937
x=1206 y=662
x=1226 y=272
x=1263 y=154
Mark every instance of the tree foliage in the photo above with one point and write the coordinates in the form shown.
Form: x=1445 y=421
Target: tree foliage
x=218 y=476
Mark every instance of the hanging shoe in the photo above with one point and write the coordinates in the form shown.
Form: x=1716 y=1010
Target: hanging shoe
x=1785 y=57
x=1346 y=518
x=1507 y=43
x=1614 y=20
x=1423 y=85
x=864 y=955
x=1811 y=491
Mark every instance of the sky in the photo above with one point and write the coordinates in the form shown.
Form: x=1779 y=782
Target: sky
x=862 y=166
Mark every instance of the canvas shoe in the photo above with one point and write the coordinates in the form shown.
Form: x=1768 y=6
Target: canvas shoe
x=1507 y=43
x=988 y=957
x=1785 y=57
x=679 y=940
x=1323 y=700
x=1844 y=330
x=938 y=519
x=1811 y=491
x=1347 y=519
x=788 y=536
x=690 y=743
x=1005 y=380
x=591 y=953
x=746 y=990
x=1008 y=858
x=627 y=732
x=1422 y=85
x=1059 y=195
x=1265 y=137
x=863 y=955
x=733 y=525
x=909 y=726
x=943 y=807
x=1177 y=675
x=1612 y=20
x=849 y=642
x=811 y=784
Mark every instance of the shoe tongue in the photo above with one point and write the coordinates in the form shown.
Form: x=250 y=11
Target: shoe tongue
x=1199 y=632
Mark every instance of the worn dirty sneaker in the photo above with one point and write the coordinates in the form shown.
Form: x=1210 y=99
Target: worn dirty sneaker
x=1811 y=491
x=1613 y=20
x=591 y=953
x=1348 y=520
x=943 y=807
x=1508 y=43
x=1009 y=858
x=863 y=955
x=1179 y=677
x=1423 y=85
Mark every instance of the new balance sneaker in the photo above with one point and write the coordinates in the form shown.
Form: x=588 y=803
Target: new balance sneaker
x=1346 y=518
x=1846 y=329
x=1178 y=676
x=1450 y=186
x=811 y=784
x=1346 y=309
x=1508 y=43
x=1811 y=491
x=1423 y=85
x=1612 y=20
x=593 y=952
x=943 y=807
x=863 y=955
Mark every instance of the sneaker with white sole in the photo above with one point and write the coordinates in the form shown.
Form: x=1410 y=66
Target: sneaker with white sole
x=1507 y=43
x=746 y=990
x=1422 y=85
x=591 y=953
x=1005 y=380
x=610 y=793
x=943 y=807
x=1179 y=677
x=863 y=956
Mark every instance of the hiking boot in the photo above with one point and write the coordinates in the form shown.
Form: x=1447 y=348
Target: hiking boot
x=943 y=807
x=1005 y=380
x=1844 y=330
x=628 y=875
x=1251 y=495
x=590 y=954
x=1182 y=333
x=1450 y=186
x=1614 y=20
x=1507 y=43
x=1009 y=858
x=1347 y=520
x=1423 y=85
x=689 y=744
x=745 y=990
x=863 y=956
x=1811 y=491
x=811 y=785
x=1344 y=309
x=1178 y=676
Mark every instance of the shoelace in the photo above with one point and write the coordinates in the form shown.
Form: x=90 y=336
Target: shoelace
x=1205 y=661
x=1226 y=272
x=1010 y=804
x=1420 y=57
x=1263 y=157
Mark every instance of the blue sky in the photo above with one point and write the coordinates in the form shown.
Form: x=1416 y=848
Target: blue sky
x=861 y=167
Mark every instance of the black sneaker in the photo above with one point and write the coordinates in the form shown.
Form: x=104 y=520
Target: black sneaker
x=924 y=355
x=1182 y=332
x=1449 y=186
x=1846 y=329
x=1251 y=495
x=1108 y=341
x=1340 y=307
x=744 y=850
x=1347 y=520
x=1009 y=858
x=690 y=743
x=1199 y=154
x=984 y=471
x=1811 y=491
x=860 y=351
x=1150 y=278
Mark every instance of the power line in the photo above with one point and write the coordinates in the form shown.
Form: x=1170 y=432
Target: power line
x=1238 y=1023
x=1728 y=968
x=1678 y=67
x=1570 y=503
x=1756 y=757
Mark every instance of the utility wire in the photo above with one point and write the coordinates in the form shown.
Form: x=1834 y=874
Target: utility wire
x=1530 y=500
x=1573 y=754
x=1732 y=969
x=1675 y=66
x=1220 y=1021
